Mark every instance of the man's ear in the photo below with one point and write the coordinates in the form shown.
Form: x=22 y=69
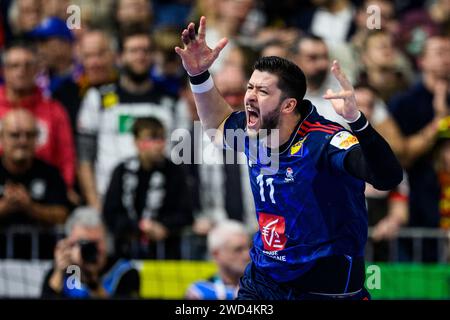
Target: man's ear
x=214 y=254
x=289 y=105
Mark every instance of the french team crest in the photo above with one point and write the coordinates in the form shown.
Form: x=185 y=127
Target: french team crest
x=297 y=148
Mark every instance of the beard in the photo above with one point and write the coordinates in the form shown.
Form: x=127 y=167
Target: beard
x=271 y=120
x=135 y=76
x=317 y=79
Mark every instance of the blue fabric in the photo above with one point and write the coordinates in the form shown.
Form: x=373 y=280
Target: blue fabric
x=109 y=281
x=208 y=290
x=310 y=207
x=256 y=286
x=52 y=27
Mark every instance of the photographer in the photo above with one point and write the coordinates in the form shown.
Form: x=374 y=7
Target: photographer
x=84 y=250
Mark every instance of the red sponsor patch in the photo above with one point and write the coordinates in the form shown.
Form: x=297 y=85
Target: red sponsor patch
x=272 y=229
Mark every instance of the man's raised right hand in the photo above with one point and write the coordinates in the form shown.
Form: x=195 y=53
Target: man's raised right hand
x=196 y=56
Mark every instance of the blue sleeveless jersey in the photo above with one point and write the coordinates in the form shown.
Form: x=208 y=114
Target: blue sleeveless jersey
x=309 y=207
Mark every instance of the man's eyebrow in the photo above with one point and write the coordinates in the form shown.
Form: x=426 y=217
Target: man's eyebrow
x=258 y=86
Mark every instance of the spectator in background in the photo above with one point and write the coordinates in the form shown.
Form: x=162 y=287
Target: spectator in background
x=85 y=247
x=5 y=28
x=5 y=32
x=96 y=14
x=385 y=68
x=56 y=53
x=418 y=111
x=275 y=48
x=311 y=54
x=56 y=8
x=97 y=57
x=379 y=117
x=442 y=167
x=235 y=19
x=54 y=143
x=107 y=114
x=2 y=34
x=418 y=24
x=231 y=82
x=329 y=19
x=32 y=191
x=241 y=56
x=387 y=210
x=228 y=246
x=25 y=15
x=148 y=200
x=220 y=189
x=172 y=13
x=131 y=14
x=167 y=71
x=388 y=21
x=332 y=21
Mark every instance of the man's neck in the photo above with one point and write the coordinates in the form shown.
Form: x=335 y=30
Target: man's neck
x=17 y=95
x=315 y=88
x=61 y=68
x=286 y=128
x=146 y=164
x=135 y=87
x=338 y=5
x=111 y=77
x=16 y=168
x=228 y=279
x=429 y=81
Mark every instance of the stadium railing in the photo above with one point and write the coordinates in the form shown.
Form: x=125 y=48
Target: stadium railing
x=191 y=244
x=166 y=279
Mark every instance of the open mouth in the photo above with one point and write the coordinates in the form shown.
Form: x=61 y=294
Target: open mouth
x=252 y=116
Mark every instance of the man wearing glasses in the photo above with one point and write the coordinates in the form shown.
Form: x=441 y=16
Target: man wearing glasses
x=32 y=192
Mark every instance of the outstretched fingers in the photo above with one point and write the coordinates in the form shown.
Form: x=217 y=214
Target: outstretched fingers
x=340 y=76
x=191 y=31
x=179 y=51
x=185 y=37
x=222 y=43
x=195 y=54
x=202 y=28
x=188 y=34
x=337 y=95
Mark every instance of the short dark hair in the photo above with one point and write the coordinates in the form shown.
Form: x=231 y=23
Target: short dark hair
x=291 y=79
x=20 y=43
x=439 y=35
x=134 y=30
x=364 y=85
x=374 y=33
x=295 y=48
x=148 y=123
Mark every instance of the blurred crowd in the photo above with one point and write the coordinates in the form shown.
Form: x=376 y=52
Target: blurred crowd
x=93 y=98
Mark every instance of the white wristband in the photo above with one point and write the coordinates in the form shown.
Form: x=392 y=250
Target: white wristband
x=203 y=87
x=357 y=118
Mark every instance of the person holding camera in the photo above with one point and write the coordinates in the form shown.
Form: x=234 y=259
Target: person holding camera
x=82 y=268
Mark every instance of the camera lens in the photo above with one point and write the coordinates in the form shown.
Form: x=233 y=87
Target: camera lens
x=89 y=251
